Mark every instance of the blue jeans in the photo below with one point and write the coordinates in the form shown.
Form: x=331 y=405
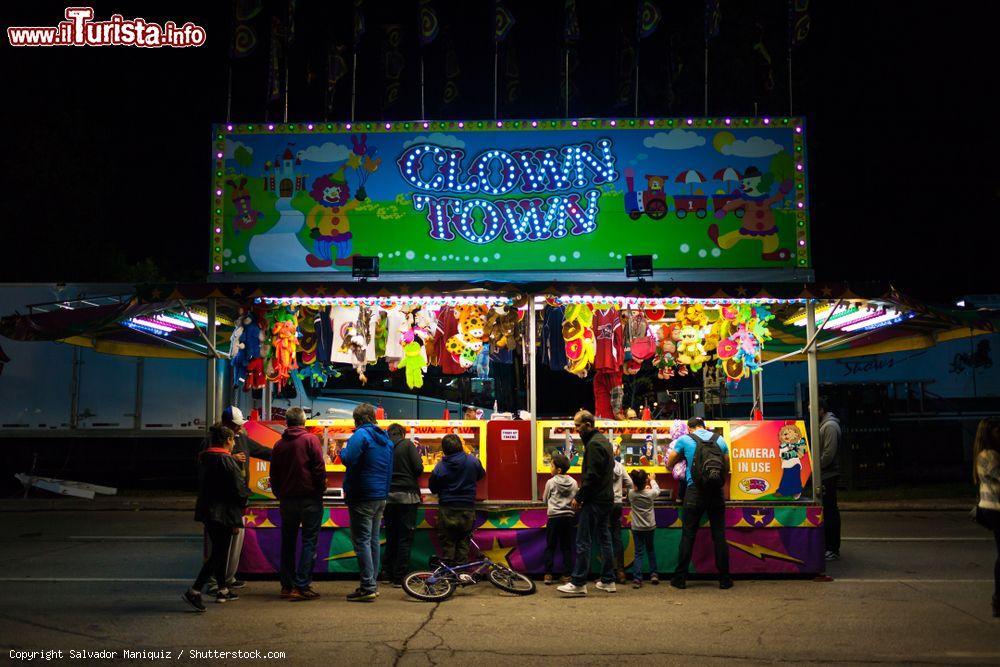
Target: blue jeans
x=593 y=521
x=366 y=517
x=295 y=512
x=643 y=541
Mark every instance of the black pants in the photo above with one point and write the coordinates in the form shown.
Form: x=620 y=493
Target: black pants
x=219 y=536
x=615 y=524
x=994 y=517
x=400 y=521
x=697 y=504
x=831 y=516
x=560 y=533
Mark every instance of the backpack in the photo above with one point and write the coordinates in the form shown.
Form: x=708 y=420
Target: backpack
x=709 y=469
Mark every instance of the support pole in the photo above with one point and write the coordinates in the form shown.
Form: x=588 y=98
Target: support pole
x=706 y=73
x=496 y=76
x=266 y=402
x=354 y=80
x=423 y=114
x=566 y=86
x=74 y=390
x=210 y=371
x=533 y=397
x=811 y=366
x=140 y=372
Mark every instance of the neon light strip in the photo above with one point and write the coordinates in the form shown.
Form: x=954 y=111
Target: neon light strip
x=151 y=324
x=881 y=325
x=879 y=319
x=142 y=327
x=657 y=301
x=175 y=321
x=857 y=316
x=383 y=300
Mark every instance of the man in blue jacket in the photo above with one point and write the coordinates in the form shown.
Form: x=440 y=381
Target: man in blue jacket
x=454 y=482
x=368 y=459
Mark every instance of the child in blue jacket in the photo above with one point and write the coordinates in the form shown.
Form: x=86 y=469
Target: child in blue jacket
x=454 y=480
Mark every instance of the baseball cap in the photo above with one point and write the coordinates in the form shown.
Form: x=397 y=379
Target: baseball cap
x=234 y=414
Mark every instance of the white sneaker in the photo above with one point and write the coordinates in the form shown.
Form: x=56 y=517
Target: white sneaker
x=606 y=587
x=572 y=589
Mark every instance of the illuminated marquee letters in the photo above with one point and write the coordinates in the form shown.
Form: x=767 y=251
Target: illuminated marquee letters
x=429 y=168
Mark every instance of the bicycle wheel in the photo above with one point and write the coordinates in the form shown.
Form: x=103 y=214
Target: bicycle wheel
x=418 y=585
x=508 y=580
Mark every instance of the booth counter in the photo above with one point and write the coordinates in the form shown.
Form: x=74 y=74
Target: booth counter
x=773 y=523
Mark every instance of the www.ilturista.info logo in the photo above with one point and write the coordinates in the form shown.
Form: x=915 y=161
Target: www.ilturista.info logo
x=79 y=29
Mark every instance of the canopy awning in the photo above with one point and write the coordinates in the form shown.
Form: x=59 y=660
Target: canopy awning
x=168 y=320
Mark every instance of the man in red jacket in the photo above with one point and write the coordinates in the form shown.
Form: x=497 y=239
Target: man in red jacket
x=298 y=479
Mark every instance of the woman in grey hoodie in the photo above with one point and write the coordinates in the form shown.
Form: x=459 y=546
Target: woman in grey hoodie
x=560 y=528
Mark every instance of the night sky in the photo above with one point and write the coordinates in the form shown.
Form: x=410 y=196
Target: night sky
x=106 y=151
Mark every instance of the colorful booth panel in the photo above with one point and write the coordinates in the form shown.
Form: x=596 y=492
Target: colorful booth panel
x=426 y=434
x=762 y=540
x=644 y=445
x=769 y=460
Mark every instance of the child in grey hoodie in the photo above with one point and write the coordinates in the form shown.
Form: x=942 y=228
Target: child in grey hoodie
x=560 y=528
x=643 y=524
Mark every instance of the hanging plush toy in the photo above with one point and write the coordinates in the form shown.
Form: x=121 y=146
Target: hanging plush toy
x=414 y=365
x=465 y=345
x=248 y=366
x=690 y=350
x=578 y=334
x=502 y=326
x=665 y=360
x=677 y=429
x=284 y=342
x=358 y=339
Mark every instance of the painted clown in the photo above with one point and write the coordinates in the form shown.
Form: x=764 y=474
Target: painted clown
x=758 y=218
x=328 y=220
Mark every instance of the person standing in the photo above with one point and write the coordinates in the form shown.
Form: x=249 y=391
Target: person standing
x=401 y=505
x=594 y=501
x=622 y=485
x=705 y=481
x=560 y=522
x=232 y=418
x=222 y=495
x=986 y=473
x=829 y=438
x=368 y=459
x=454 y=480
x=298 y=479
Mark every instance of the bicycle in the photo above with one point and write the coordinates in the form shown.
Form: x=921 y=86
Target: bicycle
x=440 y=584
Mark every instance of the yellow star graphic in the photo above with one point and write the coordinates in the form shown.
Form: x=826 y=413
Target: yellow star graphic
x=758 y=517
x=498 y=553
x=249 y=519
x=157 y=293
x=741 y=291
x=238 y=290
x=819 y=518
x=657 y=291
x=826 y=291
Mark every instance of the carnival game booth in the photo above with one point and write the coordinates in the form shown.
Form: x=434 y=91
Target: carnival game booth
x=664 y=330
x=503 y=242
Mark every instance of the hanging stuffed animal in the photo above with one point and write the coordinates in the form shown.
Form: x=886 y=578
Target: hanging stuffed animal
x=248 y=366
x=414 y=365
x=284 y=343
x=465 y=345
x=664 y=360
x=357 y=341
x=578 y=334
x=503 y=326
x=690 y=350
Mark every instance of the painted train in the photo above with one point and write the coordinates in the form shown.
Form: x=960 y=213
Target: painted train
x=653 y=200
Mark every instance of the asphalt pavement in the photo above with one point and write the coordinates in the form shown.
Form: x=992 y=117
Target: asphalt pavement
x=911 y=588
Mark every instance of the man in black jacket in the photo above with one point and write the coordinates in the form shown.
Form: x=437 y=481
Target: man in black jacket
x=594 y=500
x=401 y=507
x=232 y=418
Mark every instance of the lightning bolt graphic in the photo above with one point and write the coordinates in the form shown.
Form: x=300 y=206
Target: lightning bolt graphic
x=757 y=551
x=349 y=554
